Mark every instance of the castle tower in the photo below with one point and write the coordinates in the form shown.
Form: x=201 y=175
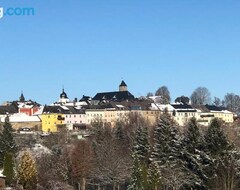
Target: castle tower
x=123 y=87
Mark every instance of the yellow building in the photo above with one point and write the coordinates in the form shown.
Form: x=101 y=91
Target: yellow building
x=209 y=112
x=151 y=116
x=52 y=118
x=51 y=121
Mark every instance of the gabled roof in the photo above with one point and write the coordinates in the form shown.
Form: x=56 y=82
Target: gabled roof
x=123 y=83
x=85 y=99
x=99 y=106
x=210 y=108
x=28 y=103
x=181 y=106
x=114 y=96
x=214 y=108
x=63 y=110
x=132 y=105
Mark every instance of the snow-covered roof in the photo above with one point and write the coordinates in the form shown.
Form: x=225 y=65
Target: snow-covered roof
x=120 y=106
x=222 y=111
x=40 y=111
x=64 y=107
x=22 y=117
x=24 y=105
x=161 y=107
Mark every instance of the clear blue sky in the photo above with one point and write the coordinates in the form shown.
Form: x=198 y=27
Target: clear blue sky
x=90 y=45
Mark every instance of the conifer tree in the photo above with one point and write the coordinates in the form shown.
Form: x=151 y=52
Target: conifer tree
x=166 y=144
x=8 y=168
x=154 y=177
x=193 y=153
x=193 y=139
x=140 y=156
x=216 y=140
x=167 y=154
x=7 y=142
x=217 y=147
x=27 y=172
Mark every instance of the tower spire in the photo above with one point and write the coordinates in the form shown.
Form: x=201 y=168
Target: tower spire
x=22 y=98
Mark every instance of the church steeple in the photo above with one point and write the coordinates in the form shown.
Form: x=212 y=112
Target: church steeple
x=63 y=94
x=22 y=98
x=63 y=97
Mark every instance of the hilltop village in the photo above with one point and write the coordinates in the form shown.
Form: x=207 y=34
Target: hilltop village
x=116 y=141
x=105 y=107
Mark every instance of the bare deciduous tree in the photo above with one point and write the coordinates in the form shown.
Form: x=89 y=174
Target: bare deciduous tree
x=216 y=101
x=57 y=167
x=112 y=167
x=227 y=172
x=82 y=162
x=165 y=95
x=232 y=102
x=201 y=96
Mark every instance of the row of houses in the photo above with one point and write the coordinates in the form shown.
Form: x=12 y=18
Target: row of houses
x=106 y=107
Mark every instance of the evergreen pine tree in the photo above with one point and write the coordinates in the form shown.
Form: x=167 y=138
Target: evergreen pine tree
x=166 y=143
x=141 y=147
x=166 y=154
x=193 y=153
x=216 y=140
x=27 y=172
x=7 y=143
x=154 y=177
x=217 y=147
x=119 y=134
x=140 y=156
x=193 y=139
x=8 y=168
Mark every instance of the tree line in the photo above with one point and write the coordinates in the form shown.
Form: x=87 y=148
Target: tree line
x=200 y=96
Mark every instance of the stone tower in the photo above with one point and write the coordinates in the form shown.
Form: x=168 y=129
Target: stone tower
x=123 y=87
